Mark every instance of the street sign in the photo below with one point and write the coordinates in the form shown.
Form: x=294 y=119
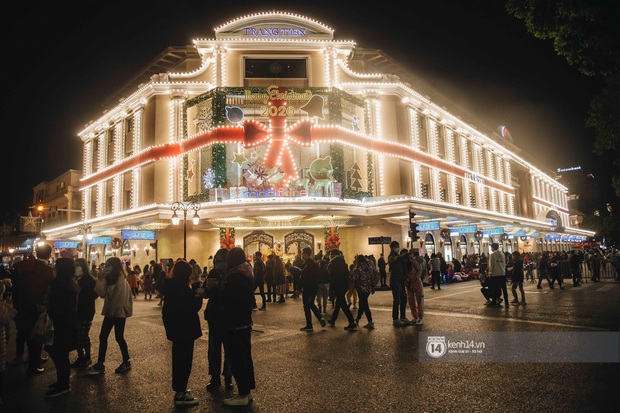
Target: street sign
x=379 y=240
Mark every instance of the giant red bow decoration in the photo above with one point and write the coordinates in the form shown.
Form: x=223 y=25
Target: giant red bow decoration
x=278 y=152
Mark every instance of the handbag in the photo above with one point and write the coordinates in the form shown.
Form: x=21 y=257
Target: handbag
x=43 y=330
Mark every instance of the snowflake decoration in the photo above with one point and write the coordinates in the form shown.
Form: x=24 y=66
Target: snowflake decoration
x=204 y=120
x=208 y=178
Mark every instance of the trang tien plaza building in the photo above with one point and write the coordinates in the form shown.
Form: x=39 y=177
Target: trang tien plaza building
x=273 y=135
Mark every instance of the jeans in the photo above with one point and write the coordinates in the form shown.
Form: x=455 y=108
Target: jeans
x=119 y=333
x=182 y=356
x=214 y=354
x=364 y=308
x=514 y=287
x=399 y=298
x=415 y=294
x=341 y=303
x=308 y=298
x=261 y=288
x=238 y=346
x=436 y=279
x=60 y=357
x=322 y=296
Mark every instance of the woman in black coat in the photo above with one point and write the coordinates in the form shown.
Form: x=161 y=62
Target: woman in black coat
x=61 y=306
x=85 y=312
x=237 y=300
x=182 y=324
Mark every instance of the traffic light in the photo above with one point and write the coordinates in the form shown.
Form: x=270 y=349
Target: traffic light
x=413 y=227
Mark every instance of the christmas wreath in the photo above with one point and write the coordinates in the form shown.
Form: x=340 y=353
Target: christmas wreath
x=116 y=243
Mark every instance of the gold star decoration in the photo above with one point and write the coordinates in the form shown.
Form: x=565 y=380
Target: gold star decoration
x=240 y=159
x=190 y=171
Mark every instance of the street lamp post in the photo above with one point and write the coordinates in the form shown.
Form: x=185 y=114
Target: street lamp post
x=185 y=207
x=84 y=233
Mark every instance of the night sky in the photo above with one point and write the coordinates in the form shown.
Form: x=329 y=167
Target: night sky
x=62 y=59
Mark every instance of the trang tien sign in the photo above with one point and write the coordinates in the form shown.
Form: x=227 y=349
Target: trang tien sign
x=379 y=240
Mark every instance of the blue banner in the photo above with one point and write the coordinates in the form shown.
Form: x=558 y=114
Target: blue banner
x=66 y=244
x=100 y=241
x=138 y=234
x=493 y=231
x=467 y=229
x=428 y=226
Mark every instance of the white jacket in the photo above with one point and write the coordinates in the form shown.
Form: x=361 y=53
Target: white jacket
x=118 y=301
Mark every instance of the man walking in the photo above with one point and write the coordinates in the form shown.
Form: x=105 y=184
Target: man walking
x=259 y=279
x=339 y=276
x=497 y=274
x=398 y=271
x=309 y=285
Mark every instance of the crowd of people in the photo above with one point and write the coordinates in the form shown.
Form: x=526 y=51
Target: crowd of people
x=68 y=289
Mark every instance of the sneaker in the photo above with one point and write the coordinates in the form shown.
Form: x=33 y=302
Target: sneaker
x=405 y=322
x=97 y=368
x=370 y=325
x=351 y=327
x=514 y=302
x=539 y=287
x=185 y=398
x=419 y=322
x=522 y=303
x=125 y=366
x=262 y=309
x=85 y=365
x=56 y=391
x=331 y=323
x=500 y=300
x=397 y=323
x=306 y=328
x=323 y=322
x=238 y=400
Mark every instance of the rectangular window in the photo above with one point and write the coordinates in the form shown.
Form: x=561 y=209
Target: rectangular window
x=275 y=68
x=95 y=155
x=422 y=138
x=441 y=143
x=128 y=141
x=110 y=146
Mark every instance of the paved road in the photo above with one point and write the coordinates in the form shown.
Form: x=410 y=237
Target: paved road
x=331 y=370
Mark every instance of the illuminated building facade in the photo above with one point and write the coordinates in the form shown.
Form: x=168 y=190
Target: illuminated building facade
x=286 y=139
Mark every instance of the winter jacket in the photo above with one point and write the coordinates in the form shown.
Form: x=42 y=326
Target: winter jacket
x=118 y=301
x=180 y=311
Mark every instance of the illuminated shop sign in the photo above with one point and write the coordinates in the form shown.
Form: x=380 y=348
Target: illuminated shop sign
x=66 y=244
x=474 y=178
x=428 y=226
x=100 y=241
x=572 y=168
x=274 y=32
x=493 y=231
x=467 y=229
x=518 y=234
x=137 y=234
x=535 y=235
